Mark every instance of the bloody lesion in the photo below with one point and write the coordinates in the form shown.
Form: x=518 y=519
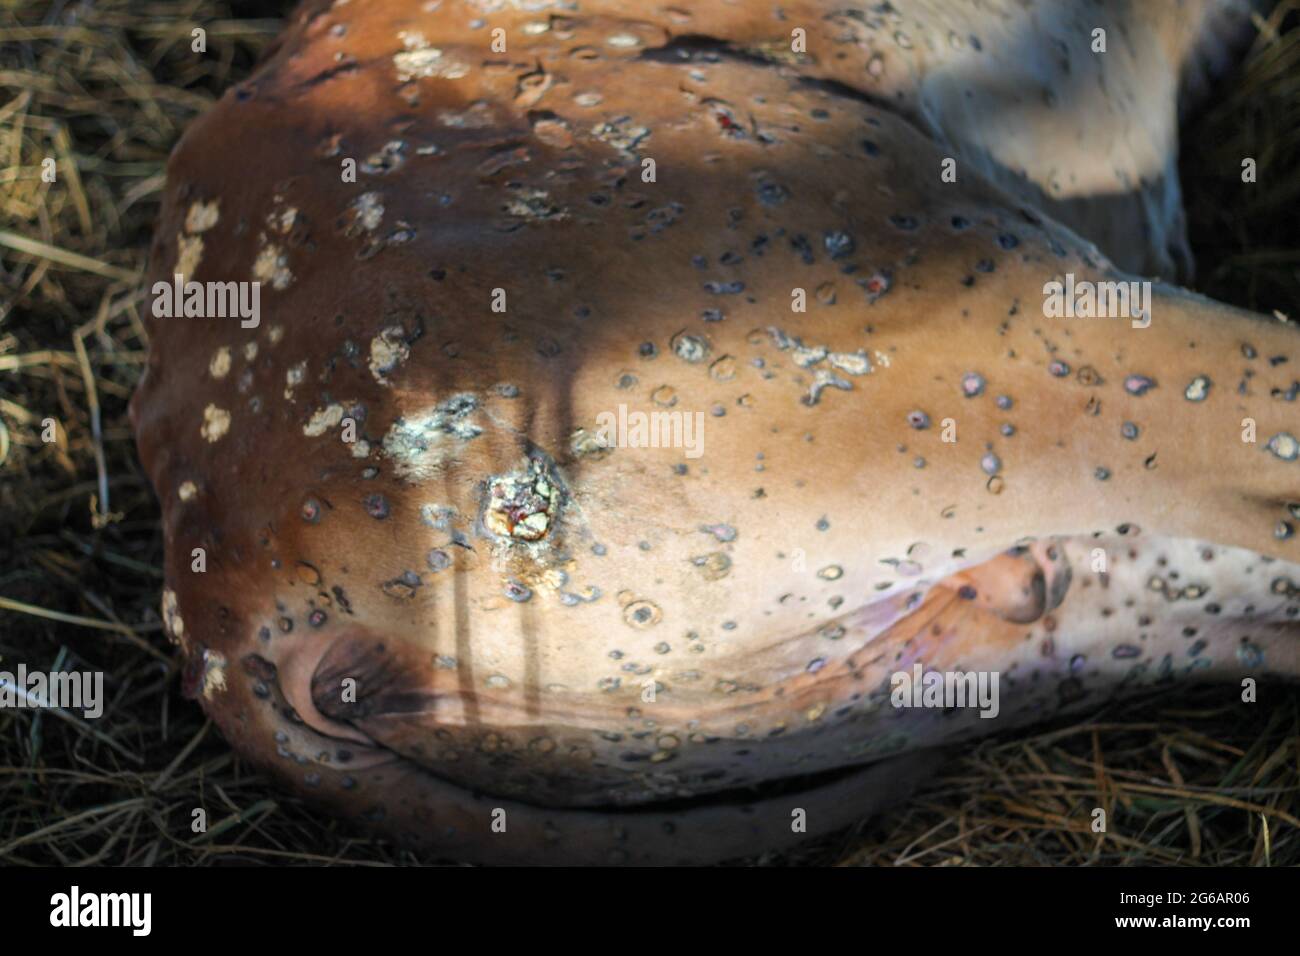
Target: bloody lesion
x=523 y=504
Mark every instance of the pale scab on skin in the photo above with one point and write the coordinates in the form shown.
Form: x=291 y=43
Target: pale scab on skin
x=189 y=253
x=535 y=204
x=271 y=266
x=187 y=490
x=419 y=59
x=216 y=422
x=368 y=211
x=388 y=350
x=202 y=216
x=322 y=420
x=219 y=366
x=282 y=220
x=274 y=334
x=293 y=378
x=421 y=444
x=171 y=615
x=250 y=351
x=214 y=673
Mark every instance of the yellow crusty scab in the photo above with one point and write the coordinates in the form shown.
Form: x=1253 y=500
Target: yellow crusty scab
x=322 y=420
x=216 y=422
x=202 y=216
x=171 y=615
x=189 y=253
x=214 y=673
x=219 y=366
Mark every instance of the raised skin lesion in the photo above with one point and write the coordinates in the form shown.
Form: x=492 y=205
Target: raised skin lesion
x=523 y=504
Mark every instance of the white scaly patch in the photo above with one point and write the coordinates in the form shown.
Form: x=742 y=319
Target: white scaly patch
x=367 y=211
x=187 y=490
x=421 y=445
x=419 y=59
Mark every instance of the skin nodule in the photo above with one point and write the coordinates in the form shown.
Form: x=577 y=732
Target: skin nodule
x=473 y=571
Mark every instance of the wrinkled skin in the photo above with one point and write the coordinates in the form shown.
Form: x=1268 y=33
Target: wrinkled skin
x=475 y=606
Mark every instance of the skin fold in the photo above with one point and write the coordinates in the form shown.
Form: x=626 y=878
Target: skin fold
x=435 y=596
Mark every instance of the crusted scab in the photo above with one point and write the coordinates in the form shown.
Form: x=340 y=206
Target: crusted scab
x=1284 y=445
x=388 y=350
x=690 y=348
x=621 y=133
x=271 y=267
x=323 y=419
x=534 y=204
x=216 y=422
x=187 y=490
x=202 y=216
x=390 y=157
x=189 y=253
x=367 y=213
x=523 y=504
x=1197 y=389
x=219 y=364
x=214 y=673
x=808 y=356
x=854 y=363
x=590 y=445
x=824 y=378
x=421 y=445
x=173 y=623
x=419 y=59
